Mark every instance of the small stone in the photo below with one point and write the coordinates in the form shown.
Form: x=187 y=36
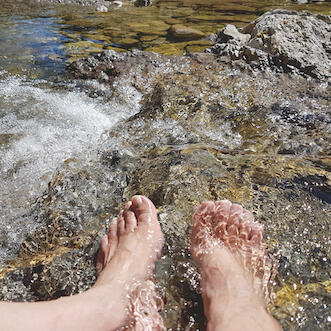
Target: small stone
x=102 y=8
x=231 y=32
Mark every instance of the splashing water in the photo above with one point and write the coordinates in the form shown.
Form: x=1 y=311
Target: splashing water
x=40 y=129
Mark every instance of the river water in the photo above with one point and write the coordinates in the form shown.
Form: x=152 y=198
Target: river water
x=46 y=119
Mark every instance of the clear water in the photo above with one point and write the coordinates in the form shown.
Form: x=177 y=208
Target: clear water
x=40 y=129
x=38 y=39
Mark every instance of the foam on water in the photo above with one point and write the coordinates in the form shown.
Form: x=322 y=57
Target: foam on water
x=45 y=127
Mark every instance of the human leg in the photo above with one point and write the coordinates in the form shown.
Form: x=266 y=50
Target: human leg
x=123 y=294
x=228 y=248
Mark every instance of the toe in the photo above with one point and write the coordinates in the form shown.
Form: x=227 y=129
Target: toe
x=235 y=217
x=256 y=233
x=102 y=254
x=221 y=218
x=204 y=214
x=143 y=208
x=245 y=230
x=112 y=240
x=220 y=230
x=247 y=216
x=235 y=210
x=233 y=230
x=128 y=205
x=223 y=209
x=130 y=220
x=112 y=234
x=120 y=224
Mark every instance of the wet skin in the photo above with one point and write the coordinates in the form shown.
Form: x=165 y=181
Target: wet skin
x=226 y=245
x=236 y=272
x=124 y=294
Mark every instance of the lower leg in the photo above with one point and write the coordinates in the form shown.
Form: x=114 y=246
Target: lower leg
x=125 y=264
x=81 y=312
x=228 y=248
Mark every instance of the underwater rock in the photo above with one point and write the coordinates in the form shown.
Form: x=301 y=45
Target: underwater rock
x=182 y=33
x=307 y=1
x=286 y=41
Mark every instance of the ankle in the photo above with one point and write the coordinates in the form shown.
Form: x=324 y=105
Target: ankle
x=112 y=314
x=237 y=317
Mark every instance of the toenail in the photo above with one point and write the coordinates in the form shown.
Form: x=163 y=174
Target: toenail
x=138 y=198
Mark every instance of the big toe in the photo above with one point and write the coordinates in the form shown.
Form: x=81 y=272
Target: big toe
x=144 y=209
x=103 y=252
x=204 y=214
x=147 y=222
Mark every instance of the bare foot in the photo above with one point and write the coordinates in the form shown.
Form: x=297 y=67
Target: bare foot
x=126 y=262
x=124 y=295
x=236 y=272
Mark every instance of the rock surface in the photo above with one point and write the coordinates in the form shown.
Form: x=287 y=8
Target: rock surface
x=183 y=33
x=286 y=41
x=204 y=131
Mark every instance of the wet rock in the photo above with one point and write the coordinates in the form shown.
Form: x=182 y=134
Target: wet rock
x=286 y=41
x=143 y=3
x=181 y=163
x=98 y=5
x=204 y=131
x=182 y=33
x=317 y=186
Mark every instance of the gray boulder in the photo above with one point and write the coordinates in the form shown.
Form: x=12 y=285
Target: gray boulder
x=287 y=41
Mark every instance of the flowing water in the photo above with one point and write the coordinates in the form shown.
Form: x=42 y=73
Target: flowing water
x=46 y=120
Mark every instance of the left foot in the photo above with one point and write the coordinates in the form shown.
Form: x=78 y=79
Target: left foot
x=124 y=295
x=125 y=264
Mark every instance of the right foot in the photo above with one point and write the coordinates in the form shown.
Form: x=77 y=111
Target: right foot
x=125 y=264
x=236 y=272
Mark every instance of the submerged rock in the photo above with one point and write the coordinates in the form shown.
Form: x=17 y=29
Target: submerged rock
x=182 y=33
x=100 y=5
x=143 y=3
x=307 y=1
x=286 y=41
